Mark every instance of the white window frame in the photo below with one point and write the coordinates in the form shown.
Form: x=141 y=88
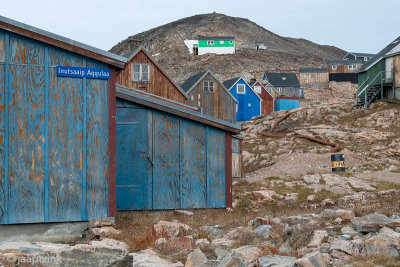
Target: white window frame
x=221 y=42
x=257 y=89
x=304 y=75
x=365 y=58
x=141 y=66
x=334 y=67
x=208 y=86
x=312 y=75
x=352 y=66
x=230 y=41
x=210 y=42
x=240 y=91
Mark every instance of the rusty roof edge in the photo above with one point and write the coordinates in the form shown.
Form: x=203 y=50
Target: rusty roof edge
x=62 y=39
x=176 y=110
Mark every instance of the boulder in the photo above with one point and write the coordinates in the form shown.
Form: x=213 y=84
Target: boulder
x=276 y=260
x=232 y=259
x=171 y=229
x=97 y=253
x=315 y=259
x=344 y=246
x=181 y=244
x=196 y=258
x=338 y=213
x=149 y=258
x=263 y=230
x=373 y=223
x=386 y=242
x=318 y=237
x=249 y=254
x=102 y=232
x=211 y=231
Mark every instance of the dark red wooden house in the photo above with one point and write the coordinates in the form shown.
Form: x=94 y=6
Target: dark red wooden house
x=267 y=104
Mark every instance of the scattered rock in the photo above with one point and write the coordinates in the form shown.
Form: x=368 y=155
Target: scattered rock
x=264 y=194
x=343 y=246
x=196 y=258
x=263 y=230
x=318 y=237
x=338 y=213
x=182 y=244
x=373 y=223
x=397 y=229
x=249 y=254
x=149 y=258
x=392 y=168
x=276 y=260
x=314 y=259
x=102 y=232
x=171 y=229
x=310 y=198
x=232 y=259
x=386 y=242
x=291 y=197
x=212 y=231
x=327 y=202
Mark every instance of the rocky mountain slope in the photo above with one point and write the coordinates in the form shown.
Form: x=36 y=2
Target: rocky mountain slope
x=166 y=42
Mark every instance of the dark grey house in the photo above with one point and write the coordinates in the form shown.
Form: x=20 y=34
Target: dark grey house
x=286 y=84
x=364 y=57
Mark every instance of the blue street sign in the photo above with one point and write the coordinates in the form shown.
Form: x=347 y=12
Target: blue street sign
x=63 y=71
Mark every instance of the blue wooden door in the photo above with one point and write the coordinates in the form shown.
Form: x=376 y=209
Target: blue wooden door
x=216 y=182
x=193 y=165
x=166 y=178
x=133 y=159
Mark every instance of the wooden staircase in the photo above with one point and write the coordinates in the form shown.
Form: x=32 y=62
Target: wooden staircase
x=372 y=94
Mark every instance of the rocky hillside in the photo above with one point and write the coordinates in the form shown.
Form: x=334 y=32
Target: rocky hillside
x=166 y=42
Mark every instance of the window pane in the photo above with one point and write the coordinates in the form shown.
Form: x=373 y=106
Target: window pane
x=205 y=86
x=145 y=72
x=136 y=76
x=211 y=87
x=136 y=68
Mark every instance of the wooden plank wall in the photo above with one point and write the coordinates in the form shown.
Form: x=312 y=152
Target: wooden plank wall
x=159 y=84
x=188 y=162
x=396 y=67
x=218 y=104
x=343 y=68
x=54 y=136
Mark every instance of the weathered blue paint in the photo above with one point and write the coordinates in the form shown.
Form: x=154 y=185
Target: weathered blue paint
x=249 y=103
x=185 y=166
x=286 y=104
x=43 y=125
x=193 y=165
x=216 y=187
x=78 y=72
x=132 y=140
x=166 y=161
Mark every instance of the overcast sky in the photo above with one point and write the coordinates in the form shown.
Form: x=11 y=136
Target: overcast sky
x=352 y=25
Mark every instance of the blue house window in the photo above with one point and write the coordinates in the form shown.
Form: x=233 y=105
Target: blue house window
x=241 y=89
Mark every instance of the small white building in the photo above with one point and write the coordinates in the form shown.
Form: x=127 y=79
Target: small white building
x=212 y=44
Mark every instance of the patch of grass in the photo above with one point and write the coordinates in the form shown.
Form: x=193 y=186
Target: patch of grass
x=381 y=186
x=272 y=178
x=372 y=261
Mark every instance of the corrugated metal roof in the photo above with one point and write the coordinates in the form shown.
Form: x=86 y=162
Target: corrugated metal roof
x=375 y=59
x=313 y=70
x=282 y=79
x=216 y=38
x=178 y=109
x=9 y=25
x=394 y=51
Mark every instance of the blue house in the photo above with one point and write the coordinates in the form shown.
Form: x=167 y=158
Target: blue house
x=249 y=102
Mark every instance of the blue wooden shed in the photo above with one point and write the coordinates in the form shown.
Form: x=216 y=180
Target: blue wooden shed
x=249 y=101
x=57 y=134
x=286 y=103
x=170 y=156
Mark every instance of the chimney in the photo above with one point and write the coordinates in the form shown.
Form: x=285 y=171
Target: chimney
x=253 y=80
